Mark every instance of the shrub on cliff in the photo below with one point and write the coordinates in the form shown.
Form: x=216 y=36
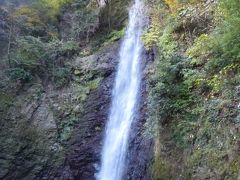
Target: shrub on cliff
x=30 y=52
x=228 y=28
x=19 y=74
x=28 y=20
x=193 y=98
x=33 y=57
x=86 y=21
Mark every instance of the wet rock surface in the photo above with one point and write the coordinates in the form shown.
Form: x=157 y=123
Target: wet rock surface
x=84 y=153
x=85 y=148
x=83 y=157
x=61 y=137
x=140 y=146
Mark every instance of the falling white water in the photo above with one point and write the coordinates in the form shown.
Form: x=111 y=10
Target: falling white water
x=125 y=94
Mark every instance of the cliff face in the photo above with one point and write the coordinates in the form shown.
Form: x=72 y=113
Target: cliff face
x=84 y=148
x=83 y=154
x=140 y=152
x=58 y=134
x=51 y=132
x=14 y=2
x=188 y=123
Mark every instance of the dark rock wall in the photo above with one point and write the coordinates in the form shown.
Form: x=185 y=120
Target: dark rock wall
x=140 y=147
x=84 y=153
x=14 y=2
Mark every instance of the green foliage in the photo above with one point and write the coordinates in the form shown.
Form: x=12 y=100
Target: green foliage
x=86 y=21
x=115 y=35
x=202 y=49
x=214 y=145
x=161 y=170
x=34 y=57
x=161 y=26
x=66 y=128
x=104 y=39
x=92 y=85
x=171 y=96
x=110 y=38
x=61 y=48
x=70 y=46
x=228 y=28
x=215 y=83
x=24 y=145
x=192 y=91
x=165 y=72
x=61 y=76
x=30 y=52
x=194 y=79
x=172 y=4
x=151 y=36
x=28 y=19
x=30 y=58
x=6 y=100
x=51 y=8
x=16 y=74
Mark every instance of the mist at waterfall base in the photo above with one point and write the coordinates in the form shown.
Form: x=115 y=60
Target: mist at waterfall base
x=124 y=97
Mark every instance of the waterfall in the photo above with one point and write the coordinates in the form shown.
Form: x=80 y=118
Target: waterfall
x=124 y=97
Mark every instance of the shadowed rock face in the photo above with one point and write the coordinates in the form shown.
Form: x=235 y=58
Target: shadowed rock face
x=140 y=147
x=14 y=2
x=84 y=147
x=44 y=108
x=84 y=153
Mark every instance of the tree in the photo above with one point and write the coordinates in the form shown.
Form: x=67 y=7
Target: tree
x=86 y=21
x=29 y=21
